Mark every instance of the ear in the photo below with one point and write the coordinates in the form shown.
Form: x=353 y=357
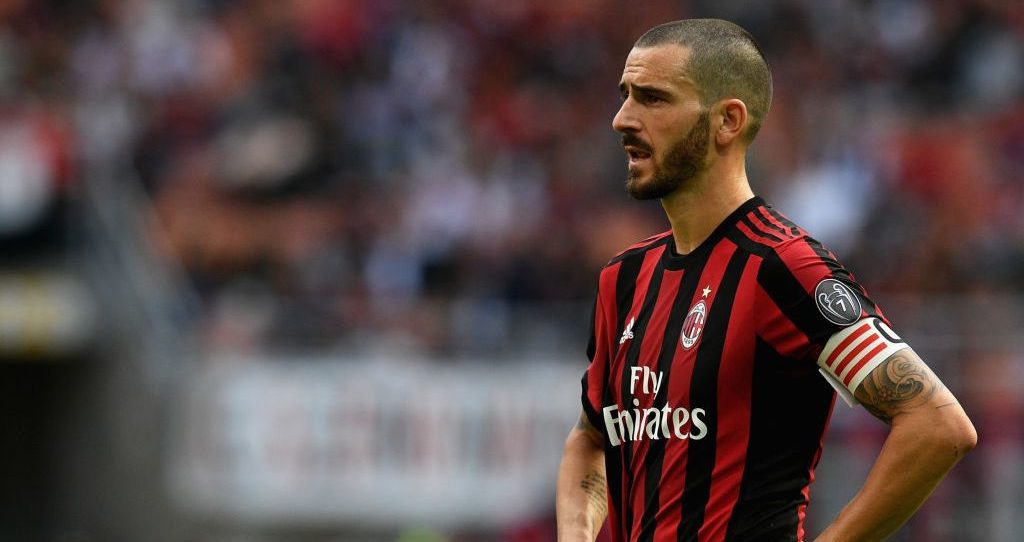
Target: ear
x=733 y=115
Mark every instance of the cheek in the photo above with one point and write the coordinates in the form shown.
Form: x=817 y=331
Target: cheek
x=663 y=145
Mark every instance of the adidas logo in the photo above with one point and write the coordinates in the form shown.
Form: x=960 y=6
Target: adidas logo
x=627 y=333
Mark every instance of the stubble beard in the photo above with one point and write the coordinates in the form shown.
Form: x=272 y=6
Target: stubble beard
x=682 y=163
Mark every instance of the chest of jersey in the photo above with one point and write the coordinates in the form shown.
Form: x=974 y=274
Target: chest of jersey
x=686 y=344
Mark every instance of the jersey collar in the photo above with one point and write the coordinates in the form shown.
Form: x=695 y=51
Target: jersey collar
x=673 y=260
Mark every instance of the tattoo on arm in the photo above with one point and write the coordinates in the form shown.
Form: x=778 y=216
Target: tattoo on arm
x=596 y=488
x=901 y=383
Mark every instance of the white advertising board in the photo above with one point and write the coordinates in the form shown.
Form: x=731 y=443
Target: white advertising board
x=381 y=443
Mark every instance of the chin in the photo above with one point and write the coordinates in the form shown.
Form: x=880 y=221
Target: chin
x=639 y=176
x=651 y=186
x=641 y=188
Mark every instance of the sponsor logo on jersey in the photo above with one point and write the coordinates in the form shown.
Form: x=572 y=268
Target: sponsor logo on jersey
x=653 y=423
x=837 y=302
x=633 y=424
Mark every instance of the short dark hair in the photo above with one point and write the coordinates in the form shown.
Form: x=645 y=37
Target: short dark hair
x=725 y=62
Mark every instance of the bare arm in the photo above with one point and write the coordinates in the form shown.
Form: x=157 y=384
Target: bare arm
x=581 y=499
x=930 y=433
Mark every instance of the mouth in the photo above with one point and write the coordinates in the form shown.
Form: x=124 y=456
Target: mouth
x=637 y=154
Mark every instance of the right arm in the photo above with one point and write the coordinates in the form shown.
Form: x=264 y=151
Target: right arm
x=581 y=497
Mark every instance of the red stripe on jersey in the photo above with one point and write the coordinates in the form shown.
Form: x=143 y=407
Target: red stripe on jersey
x=734 y=403
x=772 y=223
x=649 y=351
x=849 y=377
x=647 y=242
x=805 y=264
x=871 y=339
x=607 y=294
x=643 y=283
x=762 y=225
x=676 y=449
x=755 y=235
x=605 y=316
x=674 y=461
x=846 y=342
x=780 y=331
x=774 y=220
x=659 y=318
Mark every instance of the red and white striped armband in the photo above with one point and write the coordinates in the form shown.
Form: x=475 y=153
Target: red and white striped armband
x=854 y=352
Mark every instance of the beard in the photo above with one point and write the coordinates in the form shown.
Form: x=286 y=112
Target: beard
x=683 y=162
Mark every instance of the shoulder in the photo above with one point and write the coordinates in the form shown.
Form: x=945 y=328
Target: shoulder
x=640 y=248
x=803 y=271
x=780 y=242
x=627 y=263
x=763 y=230
x=793 y=263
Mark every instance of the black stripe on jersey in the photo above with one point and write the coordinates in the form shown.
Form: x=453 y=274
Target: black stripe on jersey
x=639 y=330
x=789 y=296
x=793 y=228
x=700 y=460
x=828 y=258
x=780 y=456
x=592 y=343
x=656 y=450
x=762 y=217
x=588 y=409
x=752 y=246
x=760 y=231
x=625 y=285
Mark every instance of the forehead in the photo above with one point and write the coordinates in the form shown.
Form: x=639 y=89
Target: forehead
x=664 y=64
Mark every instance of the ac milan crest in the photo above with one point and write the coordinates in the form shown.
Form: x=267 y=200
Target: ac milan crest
x=694 y=324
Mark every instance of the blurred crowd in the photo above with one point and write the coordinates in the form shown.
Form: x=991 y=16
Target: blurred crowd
x=441 y=177
x=346 y=173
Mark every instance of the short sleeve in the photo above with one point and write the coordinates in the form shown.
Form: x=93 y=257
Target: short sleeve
x=601 y=348
x=592 y=382
x=812 y=304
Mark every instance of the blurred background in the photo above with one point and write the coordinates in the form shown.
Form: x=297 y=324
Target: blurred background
x=320 y=270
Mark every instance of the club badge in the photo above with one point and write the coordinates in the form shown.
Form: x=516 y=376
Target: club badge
x=694 y=324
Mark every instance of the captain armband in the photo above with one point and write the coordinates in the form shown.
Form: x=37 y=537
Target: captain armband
x=851 y=354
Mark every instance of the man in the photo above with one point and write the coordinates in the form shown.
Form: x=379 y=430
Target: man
x=718 y=347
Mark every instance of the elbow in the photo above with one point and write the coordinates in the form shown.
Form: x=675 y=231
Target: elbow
x=967 y=439
x=962 y=431
x=955 y=432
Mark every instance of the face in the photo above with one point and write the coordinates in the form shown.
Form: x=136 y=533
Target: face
x=665 y=131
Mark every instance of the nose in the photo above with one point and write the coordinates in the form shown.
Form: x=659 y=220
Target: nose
x=625 y=121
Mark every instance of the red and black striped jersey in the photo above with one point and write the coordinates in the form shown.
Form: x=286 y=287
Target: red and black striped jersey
x=704 y=379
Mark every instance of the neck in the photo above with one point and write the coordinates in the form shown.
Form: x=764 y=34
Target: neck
x=696 y=210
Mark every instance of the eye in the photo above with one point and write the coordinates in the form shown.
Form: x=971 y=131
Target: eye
x=647 y=98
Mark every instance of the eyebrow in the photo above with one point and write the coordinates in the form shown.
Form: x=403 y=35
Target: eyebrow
x=658 y=91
